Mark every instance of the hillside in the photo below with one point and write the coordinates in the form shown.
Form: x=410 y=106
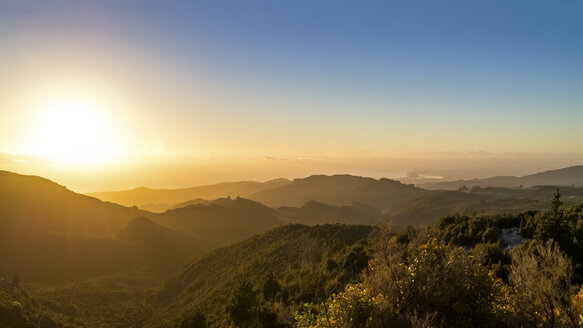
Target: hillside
x=308 y=262
x=30 y=205
x=49 y=233
x=18 y=309
x=161 y=200
x=225 y=220
x=163 y=245
x=569 y=176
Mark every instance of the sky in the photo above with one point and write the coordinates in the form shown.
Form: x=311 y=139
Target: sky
x=232 y=80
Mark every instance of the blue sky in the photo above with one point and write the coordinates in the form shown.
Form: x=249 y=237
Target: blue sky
x=297 y=77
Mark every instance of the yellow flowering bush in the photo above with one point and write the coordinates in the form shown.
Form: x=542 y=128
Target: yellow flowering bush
x=351 y=308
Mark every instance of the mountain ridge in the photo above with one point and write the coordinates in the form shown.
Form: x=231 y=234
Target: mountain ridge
x=164 y=199
x=567 y=176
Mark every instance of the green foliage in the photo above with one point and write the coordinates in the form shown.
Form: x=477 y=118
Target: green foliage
x=125 y=299
x=542 y=284
x=308 y=263
x=424 y=282
x=495 y=257
x=18 y=309
x=354 y=307
x=429 y=283
x=490 y=235
x=468 y=231
x=556 y=203
x=307 y=317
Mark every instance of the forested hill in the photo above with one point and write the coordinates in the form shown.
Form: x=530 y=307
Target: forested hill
x=226 y=220
x=309 y=263
x=30 y=205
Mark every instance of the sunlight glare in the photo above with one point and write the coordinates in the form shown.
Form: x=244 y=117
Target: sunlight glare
x=74 y=131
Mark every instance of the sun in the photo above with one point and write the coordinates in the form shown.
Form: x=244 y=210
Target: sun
x=74 y=131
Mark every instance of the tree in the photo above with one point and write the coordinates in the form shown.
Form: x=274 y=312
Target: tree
x=542 y=282
x=243 y=307
x=556 y=203
x=271 y=287
x=553 y=224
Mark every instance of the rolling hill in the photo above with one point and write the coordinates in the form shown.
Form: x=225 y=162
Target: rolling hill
x=225 y=220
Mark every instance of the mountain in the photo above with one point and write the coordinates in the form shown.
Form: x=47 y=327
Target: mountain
x=569 y=176
x=49 y=233
x=160 y=200
x=403 y=204
x=308 y=262
x=224 y=220
x=340 y=190
x=30 y=205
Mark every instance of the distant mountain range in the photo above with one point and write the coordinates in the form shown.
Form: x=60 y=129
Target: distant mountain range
x=48 y=232
x=160 y=200
x=569 y=176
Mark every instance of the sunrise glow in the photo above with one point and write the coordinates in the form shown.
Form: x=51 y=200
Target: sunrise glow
x=74 y=131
